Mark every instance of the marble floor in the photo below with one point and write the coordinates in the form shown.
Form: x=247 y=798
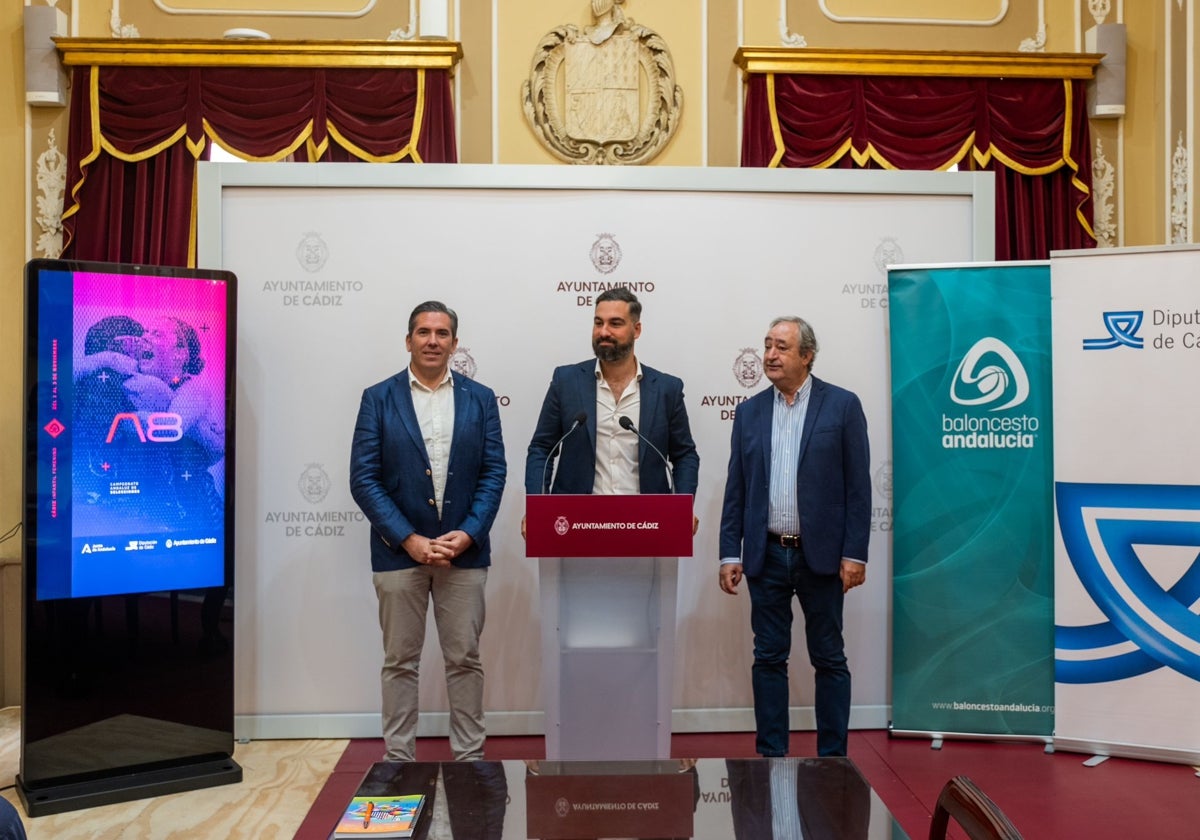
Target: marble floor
x=280 y=780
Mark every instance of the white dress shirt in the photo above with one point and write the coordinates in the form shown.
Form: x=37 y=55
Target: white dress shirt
x=617 y=448
x=435 y=416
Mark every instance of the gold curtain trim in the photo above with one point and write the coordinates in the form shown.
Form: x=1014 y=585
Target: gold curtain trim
x=296 y=143
x=195 y=215
x=317 y=150
x=982 y=156
x=94 y=117
x=776 y=132
x=137 y=157
x=846 y=147
x=408 y=150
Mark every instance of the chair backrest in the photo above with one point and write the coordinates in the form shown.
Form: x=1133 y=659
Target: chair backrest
x=971 y=808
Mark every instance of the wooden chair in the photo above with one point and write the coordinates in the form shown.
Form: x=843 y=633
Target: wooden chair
x=971 y=808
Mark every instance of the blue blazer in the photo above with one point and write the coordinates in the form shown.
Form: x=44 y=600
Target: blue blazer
x=834 y=481
x=663 y=421
x=391 y=478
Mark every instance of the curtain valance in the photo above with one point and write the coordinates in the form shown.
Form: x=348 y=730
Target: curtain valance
x=164 y=119
x=1029 y=126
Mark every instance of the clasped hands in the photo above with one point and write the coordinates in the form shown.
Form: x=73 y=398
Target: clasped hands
x=437 y=551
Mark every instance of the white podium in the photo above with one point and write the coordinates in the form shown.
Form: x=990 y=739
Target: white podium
x=608 y=620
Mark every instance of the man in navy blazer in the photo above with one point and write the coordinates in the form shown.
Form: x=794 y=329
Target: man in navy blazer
x=586 y=401
x=796 y=520
x=427 y=468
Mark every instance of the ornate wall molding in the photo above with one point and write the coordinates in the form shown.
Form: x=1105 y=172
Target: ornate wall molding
x=118 y=29
x=1001 y=11
x=1038 y=42
x=787 y=37
x=363 y=8
x=1100 y=10
x=1179 y=192
x=1103 y=188
x=51 y=184
x=408 y=32
x=1035 y=44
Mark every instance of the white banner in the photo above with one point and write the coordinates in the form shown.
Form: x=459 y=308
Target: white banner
x=1127 y=551
x=328 y=275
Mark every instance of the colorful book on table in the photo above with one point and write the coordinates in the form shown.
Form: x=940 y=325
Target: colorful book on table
x=380 y=816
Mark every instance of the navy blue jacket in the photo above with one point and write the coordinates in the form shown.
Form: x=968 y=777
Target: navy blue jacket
x=392 y=481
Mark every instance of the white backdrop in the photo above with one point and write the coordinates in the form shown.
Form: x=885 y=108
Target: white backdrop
x=1127 y=470
x=330 y=260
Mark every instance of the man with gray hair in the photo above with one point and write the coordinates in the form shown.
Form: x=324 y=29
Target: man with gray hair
x=795 y=522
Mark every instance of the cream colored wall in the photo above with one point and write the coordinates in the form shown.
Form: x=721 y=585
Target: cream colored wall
x=702 y=36
x=962 y=29
x=12 y=257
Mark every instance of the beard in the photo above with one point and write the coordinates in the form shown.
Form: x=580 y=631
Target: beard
x=613 y=352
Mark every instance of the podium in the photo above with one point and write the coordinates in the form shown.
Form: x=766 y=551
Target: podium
x=608 y=574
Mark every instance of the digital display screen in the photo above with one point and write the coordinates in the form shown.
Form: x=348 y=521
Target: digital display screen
x=130 y=414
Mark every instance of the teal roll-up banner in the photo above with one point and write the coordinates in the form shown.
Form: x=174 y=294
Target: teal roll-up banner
x=973 y=538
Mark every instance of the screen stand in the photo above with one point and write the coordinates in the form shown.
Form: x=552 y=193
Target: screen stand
x=56 y=799
x=608 y=639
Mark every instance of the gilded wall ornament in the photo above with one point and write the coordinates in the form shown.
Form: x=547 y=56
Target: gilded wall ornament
x=606 y=95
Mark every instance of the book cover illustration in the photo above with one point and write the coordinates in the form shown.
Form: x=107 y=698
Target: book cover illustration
x=380 y=816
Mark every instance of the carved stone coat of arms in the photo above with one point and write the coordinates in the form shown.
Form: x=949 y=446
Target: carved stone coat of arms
x=606 y=95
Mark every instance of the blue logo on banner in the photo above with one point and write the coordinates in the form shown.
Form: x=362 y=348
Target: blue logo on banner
x=1101 y=524
x=1122 y=329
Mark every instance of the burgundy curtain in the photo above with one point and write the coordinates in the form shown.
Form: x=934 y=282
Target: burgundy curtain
x=1033 y=133
x=136 y=134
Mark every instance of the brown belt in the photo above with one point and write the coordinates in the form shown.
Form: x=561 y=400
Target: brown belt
x=785 y=540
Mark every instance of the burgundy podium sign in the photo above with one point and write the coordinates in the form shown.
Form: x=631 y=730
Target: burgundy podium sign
x=648 y=525
x=644 y=805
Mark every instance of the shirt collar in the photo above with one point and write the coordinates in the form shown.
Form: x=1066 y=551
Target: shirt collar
x=413 y=382
x=801 y=394
x=637 y=376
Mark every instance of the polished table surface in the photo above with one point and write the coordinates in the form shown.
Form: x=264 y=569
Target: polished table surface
x=746 y=799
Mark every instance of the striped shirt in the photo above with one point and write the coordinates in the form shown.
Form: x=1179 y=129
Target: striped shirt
x=787 y=427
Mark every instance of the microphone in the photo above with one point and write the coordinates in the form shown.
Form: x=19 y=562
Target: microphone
x=580 y=420
x=625 y=423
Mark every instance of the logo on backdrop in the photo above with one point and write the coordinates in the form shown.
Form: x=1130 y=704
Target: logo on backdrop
x=747 y=372
x=748 y=367
x=883 y=480
x=989 y=377
x=462 y=362
x=1173 y=330
x=1150 y=624
x=887 y=253
x=605 y=256
x=875 y=295
x=606 y=253
x=314 y=483
x=561 y=526
x=881 y=516
x=1122 y=331
x=312 y=252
